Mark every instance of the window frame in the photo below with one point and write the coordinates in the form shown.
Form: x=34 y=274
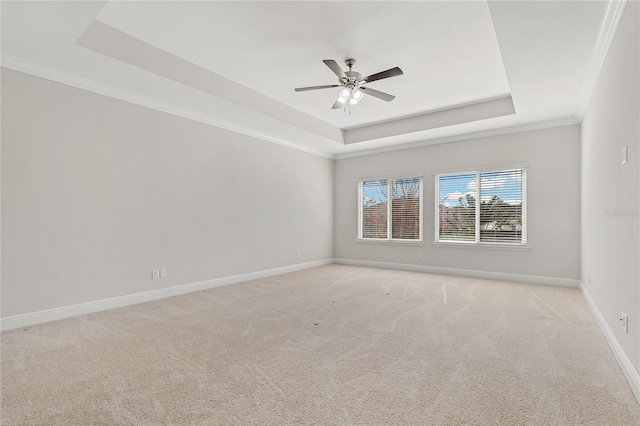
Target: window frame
x=389 y=239
x=522 y=245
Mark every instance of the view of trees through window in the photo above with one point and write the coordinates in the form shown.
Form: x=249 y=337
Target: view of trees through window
x=404 y=210
x=499 y=212
x=375 y=208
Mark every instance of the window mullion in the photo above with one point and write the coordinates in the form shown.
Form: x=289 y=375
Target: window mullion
x=436 y=202
x=524 y=205
x=420 y=212
x=360 y=209
x=478 y=196
x=389 y=212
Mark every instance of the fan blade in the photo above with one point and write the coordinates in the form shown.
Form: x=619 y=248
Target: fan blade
x=378 y=94
x=303 y=89
x=384 y=74
x=333 y=65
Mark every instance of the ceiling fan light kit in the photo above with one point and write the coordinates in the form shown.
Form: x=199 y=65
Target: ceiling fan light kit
x=356 y=96
x=352 y=84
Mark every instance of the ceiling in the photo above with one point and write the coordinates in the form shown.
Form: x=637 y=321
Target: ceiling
x=470 y=68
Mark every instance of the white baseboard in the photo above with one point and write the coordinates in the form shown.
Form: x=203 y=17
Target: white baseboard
x=629 y=372
x=48 y=315
x=532 y=279
x=55 y=314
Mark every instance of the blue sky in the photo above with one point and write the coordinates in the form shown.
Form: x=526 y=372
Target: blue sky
x=505 y=184
x=373 y=192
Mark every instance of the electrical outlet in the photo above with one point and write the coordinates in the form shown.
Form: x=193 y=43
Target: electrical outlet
x=155 y=274
x=163 y=273
x=297 y=253
x=624 y=321
x=419 y=255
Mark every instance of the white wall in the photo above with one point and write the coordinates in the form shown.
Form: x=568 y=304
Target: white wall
x=553 y=213
x=610 y=244
x=97 y=192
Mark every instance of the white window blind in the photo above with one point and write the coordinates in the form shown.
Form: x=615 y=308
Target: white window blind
x=400 y=219
x=482 y=207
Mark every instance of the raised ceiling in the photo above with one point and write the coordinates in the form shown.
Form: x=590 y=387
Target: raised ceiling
x=272 y=47
x=470 y=68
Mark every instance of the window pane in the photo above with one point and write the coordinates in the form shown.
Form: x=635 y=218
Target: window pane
x=501 y=206
x=457 y=207
x=374 y=209
x=405 y=208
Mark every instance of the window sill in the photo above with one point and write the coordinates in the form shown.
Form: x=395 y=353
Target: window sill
x=392 y=242
x=484 y=246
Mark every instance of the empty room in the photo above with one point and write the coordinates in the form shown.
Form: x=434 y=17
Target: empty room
x=317 y=212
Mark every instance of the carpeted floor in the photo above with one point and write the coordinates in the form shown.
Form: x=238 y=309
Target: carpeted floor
x=329 y=345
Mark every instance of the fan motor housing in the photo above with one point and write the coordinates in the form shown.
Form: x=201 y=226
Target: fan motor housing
x=353 y=77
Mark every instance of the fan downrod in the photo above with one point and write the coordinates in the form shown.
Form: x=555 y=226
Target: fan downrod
x=352 y=77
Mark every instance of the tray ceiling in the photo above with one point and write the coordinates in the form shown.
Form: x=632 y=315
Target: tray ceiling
x=469 y=67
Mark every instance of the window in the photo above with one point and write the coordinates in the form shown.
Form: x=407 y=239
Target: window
x=482 y=207
x=398 y=220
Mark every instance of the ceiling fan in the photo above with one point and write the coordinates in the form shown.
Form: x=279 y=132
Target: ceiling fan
x=352 y=83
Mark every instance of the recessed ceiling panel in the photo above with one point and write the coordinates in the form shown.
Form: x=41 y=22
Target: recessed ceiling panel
x=447 y=50
x=235 y=64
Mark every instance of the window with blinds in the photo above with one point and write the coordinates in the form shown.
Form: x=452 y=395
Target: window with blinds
x=375 y=211
x=457 y=207
x=482 y=207
x=398 y=219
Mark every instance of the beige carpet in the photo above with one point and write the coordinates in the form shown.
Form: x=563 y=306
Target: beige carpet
x=330 y=345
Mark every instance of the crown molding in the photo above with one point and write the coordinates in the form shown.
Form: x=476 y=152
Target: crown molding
x=444 y=117
x=566 y=121
x=603 y=43
x=38 y=70
x=123 y=47
x=63 y=77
